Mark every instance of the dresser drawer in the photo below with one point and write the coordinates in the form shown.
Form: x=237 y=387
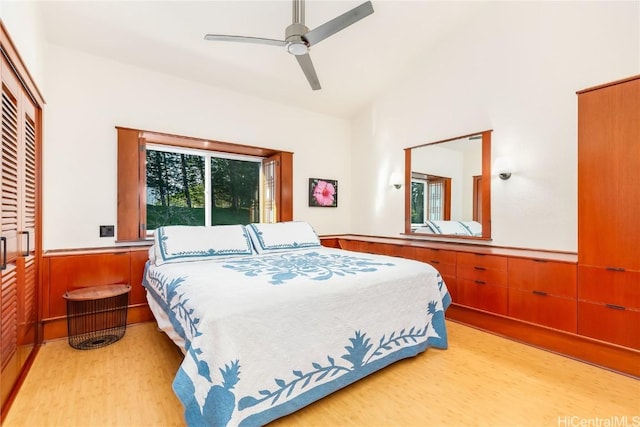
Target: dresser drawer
x=610 y=287
x=555 y=278
x=490 y=262
x=482 y=275
x=543 y=309
x=443 y=269
x=435 y=256
x=452 y=286
x=485 y=297
x=608 y=324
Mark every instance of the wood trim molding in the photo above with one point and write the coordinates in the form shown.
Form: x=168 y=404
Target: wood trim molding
x=144 y=246
x=486 y=184
x=616 y=82
x=411 y=241
x=407 y=191
x=608 y=356
x=131 y=170
x=128 y=182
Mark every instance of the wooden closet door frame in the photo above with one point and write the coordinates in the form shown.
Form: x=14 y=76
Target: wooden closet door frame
x=31 y=103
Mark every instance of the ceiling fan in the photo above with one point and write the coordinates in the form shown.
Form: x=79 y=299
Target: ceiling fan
x=298 y=39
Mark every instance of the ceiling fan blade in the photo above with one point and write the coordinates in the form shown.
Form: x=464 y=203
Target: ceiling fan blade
x=243 y=39
x=339 y=23
x=309 y=71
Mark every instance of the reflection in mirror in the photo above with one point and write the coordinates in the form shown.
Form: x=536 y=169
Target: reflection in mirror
x=448 y=187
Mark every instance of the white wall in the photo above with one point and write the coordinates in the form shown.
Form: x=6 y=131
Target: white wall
x=87 y=96
x=515 y=69
x=439 y=161
x=22 y=21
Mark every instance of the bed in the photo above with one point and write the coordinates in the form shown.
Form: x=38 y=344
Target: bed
x=270 y=321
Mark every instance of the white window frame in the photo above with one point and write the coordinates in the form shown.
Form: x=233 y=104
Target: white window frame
x=208 y=155
x=425 y=183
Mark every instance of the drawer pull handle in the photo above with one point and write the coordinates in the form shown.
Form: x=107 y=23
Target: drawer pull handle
x=541 y=293
x=480 y=282
x=615 y=269
x=479 y=268
x=26 y=253
x=539 y=260
x=433 y=261
x=615 y=307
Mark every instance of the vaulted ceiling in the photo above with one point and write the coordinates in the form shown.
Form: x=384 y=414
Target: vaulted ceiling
x=354 y=66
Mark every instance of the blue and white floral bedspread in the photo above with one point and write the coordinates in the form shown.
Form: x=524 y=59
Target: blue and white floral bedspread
x=268 y=334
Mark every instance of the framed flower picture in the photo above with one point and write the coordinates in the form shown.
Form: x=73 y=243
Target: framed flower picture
x=323 y=192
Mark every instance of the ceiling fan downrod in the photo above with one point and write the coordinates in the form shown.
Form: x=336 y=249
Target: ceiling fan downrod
x=293 y=35
x=298 y=11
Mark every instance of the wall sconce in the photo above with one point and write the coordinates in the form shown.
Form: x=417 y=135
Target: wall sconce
x=396 y=180
x=502 y=167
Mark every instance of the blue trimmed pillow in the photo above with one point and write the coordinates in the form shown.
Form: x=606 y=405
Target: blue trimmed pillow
x=282 y=236
x=180 y=243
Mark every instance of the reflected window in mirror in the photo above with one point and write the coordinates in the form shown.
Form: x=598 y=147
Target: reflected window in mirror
x=448 y=187
x=430 y=198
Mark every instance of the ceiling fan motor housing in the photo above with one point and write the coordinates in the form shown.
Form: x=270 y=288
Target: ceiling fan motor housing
x=293 y=35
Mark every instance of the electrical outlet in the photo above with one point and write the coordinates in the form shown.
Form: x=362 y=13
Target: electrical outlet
x=106 y=231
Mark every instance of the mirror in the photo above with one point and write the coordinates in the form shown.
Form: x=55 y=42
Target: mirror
x=448 y=187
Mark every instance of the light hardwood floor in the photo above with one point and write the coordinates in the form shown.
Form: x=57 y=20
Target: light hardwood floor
x=481 y=380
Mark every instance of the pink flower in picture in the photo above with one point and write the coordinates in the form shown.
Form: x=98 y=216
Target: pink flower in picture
x=324 y=193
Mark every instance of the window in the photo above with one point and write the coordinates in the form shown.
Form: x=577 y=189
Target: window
x=430 y=198
x=168 y=179
x=196 y=187
x=435 y=199
x=418 y=201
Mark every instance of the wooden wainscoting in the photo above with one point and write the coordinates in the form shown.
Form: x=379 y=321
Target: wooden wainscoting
x=64 y=271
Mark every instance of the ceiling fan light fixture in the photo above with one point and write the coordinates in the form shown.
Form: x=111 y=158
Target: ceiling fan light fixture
x=297 y=48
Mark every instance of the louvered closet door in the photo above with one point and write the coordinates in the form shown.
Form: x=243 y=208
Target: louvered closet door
x=27 y=307
x=8 y=332
x=27 y=181
x=11 y=134
x=26 y=261
x=18 y=304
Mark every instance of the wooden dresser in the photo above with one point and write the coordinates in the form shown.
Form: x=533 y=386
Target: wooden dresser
x=543 y=292
x=609 y=212
x=527 y=295
x=482 y=281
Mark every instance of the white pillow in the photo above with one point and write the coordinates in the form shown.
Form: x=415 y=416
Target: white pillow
x=474 y=227
x=180 y=243
x=448 y=227
x=152 y=253
x=282 y=236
